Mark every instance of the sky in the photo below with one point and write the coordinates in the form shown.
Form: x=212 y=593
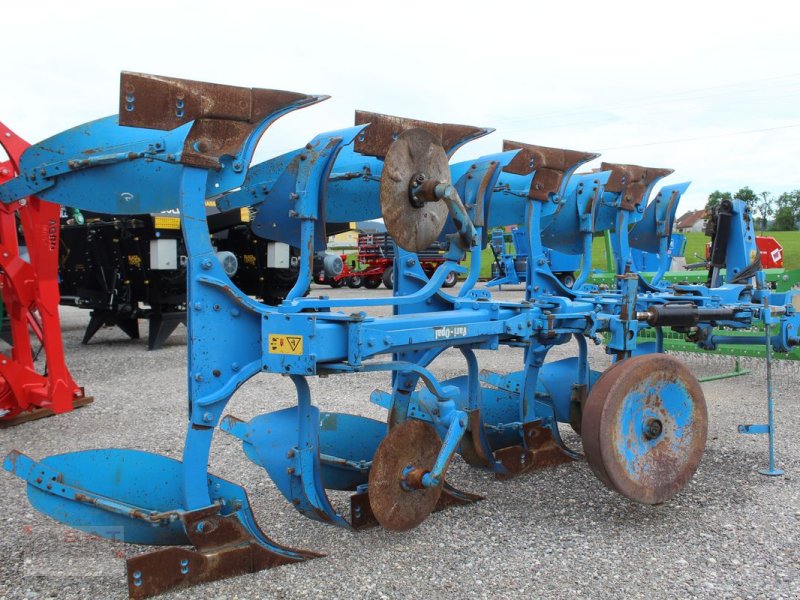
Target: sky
x=709 y=89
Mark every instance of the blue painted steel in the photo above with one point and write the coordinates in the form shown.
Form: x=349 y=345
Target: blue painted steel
x=771 y=471
x=107 y=491
x=754 y=429
x=649 y=262
x=674 y=409
x=650 y=236
x=232 y=337
x=125 y=185
x=294 y=194
x=129 y=182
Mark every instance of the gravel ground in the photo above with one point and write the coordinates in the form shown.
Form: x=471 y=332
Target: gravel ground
x=557 y=533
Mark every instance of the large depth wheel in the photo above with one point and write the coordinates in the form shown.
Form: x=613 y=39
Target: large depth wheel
x=410 y=447
x=354 y=281
x=644 y=427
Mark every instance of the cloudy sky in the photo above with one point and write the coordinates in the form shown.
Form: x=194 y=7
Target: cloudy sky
x=710 y=89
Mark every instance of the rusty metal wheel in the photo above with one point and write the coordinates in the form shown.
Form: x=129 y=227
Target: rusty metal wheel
x=644 y=427
x=411 y=445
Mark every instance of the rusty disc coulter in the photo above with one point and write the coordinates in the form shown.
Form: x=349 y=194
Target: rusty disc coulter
x=411 y=446
x=416 y=153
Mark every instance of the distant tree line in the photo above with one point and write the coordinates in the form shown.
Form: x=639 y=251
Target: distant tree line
x=776 y=214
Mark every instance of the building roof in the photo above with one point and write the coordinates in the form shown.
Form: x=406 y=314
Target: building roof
x=689 y=219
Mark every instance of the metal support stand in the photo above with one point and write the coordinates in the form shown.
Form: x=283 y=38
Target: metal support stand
x=769 y=428
x=772 y=471
x=738 y=371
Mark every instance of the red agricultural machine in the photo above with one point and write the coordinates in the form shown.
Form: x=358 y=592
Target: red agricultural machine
x=376 y=252
x=770 y=251
x=31 y=388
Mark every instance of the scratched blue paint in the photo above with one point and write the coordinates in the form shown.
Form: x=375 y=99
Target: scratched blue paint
x=229 y=333
x=670 y=403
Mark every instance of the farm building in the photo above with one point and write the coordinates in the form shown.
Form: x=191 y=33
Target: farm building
x=693 y=221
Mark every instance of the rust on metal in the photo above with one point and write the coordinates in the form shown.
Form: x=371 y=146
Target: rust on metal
x=550 y=166
x=577 y=401
x=631 y=182
x=223 y=548
x=41 y=413
x=472 y=448
x=383 y=130
x=361 y=516
x=412 y=443
x=415 y=152
x=665 y=462
x=414 y=478
x=540 y=450
x=454 y=497
x=224 y=115
x=479 y=210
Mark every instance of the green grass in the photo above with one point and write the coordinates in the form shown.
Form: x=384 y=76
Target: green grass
x=695 y=242
x=790 y=240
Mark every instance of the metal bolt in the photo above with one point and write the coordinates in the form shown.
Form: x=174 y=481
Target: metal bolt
x=235 y=367
x=198 y=377
x=652 y=429
x=205 y=265
x=198 y=306
x=208 y=417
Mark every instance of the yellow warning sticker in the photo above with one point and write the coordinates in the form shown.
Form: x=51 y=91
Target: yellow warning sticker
x=285 y=344
x=167 y=223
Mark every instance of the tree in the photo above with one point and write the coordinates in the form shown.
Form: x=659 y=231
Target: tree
x=764 y=206
x=790 y=199
x=784 y=219
x=747 y=196
x=715 y=198
x=788 y=212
